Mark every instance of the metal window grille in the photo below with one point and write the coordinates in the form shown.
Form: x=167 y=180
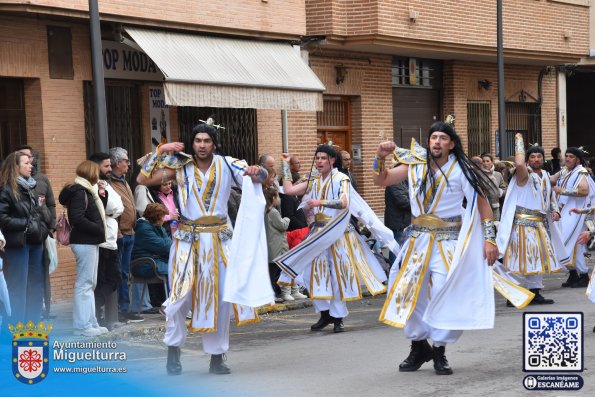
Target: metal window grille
x=524 y=118
x=123 y=118
x=478 y=127
x=12 y=116
x=426 y=73
x=238 y=139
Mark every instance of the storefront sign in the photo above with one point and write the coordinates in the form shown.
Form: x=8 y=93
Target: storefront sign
x=121 y=61
x=159 y=115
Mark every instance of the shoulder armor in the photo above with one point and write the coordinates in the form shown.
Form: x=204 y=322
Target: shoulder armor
x=415 y=155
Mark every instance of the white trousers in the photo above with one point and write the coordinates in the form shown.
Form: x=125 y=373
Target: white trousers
x=212 y=342
x=87 y=261
x=531 y=281
x=580 y=263
x=336 y=307
x=416 y=328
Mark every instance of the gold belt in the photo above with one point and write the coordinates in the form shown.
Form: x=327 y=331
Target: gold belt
x=532 y=218
x=321 y=218
x=205 y=224
x=433 y=221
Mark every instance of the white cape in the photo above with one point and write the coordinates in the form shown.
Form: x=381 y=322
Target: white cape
x=247 y=280
x=467 y=299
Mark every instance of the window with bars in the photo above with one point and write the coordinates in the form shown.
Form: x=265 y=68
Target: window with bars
x=478 y=127
x=238 y=139
x=12 y=116
x=123 y=118
x=413 y=72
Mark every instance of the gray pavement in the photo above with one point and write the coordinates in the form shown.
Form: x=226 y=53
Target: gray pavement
x=280 y=356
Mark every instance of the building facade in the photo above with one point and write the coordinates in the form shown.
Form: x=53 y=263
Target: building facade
x=389 y=69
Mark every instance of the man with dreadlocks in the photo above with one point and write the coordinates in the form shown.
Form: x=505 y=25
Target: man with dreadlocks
x=574 y=188
x=441 y=288
x=529 y=241
x=206 y=263
x=333 y=260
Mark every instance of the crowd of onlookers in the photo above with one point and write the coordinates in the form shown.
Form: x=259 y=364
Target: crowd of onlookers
x=107 y=223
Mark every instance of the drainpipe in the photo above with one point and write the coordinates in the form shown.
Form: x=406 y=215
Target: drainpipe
x=101 y=138
x=501 y=105
x=284 y=131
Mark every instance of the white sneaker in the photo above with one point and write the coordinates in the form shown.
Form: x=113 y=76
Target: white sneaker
x=287 y=297
x=101 y=329
x=87 y=332
x=295 y=292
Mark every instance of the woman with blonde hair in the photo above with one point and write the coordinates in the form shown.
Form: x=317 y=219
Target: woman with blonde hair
x=24 y=231
x=86 y=200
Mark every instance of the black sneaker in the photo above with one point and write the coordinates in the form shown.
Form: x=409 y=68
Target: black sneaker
x=134 y=318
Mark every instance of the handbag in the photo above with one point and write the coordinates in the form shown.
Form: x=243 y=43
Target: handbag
x=63 y=229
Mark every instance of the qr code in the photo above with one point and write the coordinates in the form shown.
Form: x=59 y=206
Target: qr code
x=553 y=342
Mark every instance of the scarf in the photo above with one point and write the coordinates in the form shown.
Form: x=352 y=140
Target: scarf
x=28 y=184
x=93 y=190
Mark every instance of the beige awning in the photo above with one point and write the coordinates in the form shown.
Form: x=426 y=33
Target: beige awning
x=234 y=73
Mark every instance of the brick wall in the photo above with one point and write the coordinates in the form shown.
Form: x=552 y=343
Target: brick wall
x=461 y=85
x=528 y=24
x=285 y=17
x=54 y=111
x=368 y=86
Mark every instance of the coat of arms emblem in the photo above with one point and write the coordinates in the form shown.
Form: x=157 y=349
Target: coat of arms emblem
x=30 y=351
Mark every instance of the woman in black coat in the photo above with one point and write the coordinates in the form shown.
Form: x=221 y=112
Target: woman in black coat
x=25 y=232
x=85 y=201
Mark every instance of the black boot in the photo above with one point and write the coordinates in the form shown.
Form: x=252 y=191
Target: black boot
x=582 y=282
x=339 y=327
x=174 y=367
x=539 y=299
x=440 y=362
x=421 y=352
x=217 y=365
x=572 y=278
x=324 y=320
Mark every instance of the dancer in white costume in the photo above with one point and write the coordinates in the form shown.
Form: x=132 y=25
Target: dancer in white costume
x=444 y=284
x=333 y=260
x=584 y=239
x=575 y=188
x=203 y=255
x=528 y=239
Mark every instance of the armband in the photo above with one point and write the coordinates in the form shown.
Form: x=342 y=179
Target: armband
x=569 y=192
x=489 y=234
x=336 y=204
x=378 y=165
x=519 y=145
x=286 y=171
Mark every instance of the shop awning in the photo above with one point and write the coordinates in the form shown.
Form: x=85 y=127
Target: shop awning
x=231 y=73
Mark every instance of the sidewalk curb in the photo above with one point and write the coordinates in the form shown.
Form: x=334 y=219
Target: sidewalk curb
x=138 y=329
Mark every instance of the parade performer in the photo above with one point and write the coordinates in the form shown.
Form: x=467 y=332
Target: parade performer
x=584 y=239
x=529 y=241
x=574 y=188
x=444 y=285
x=206 y=268
x=333 y=261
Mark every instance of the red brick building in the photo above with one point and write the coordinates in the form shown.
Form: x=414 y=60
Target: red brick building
x=389 y=67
